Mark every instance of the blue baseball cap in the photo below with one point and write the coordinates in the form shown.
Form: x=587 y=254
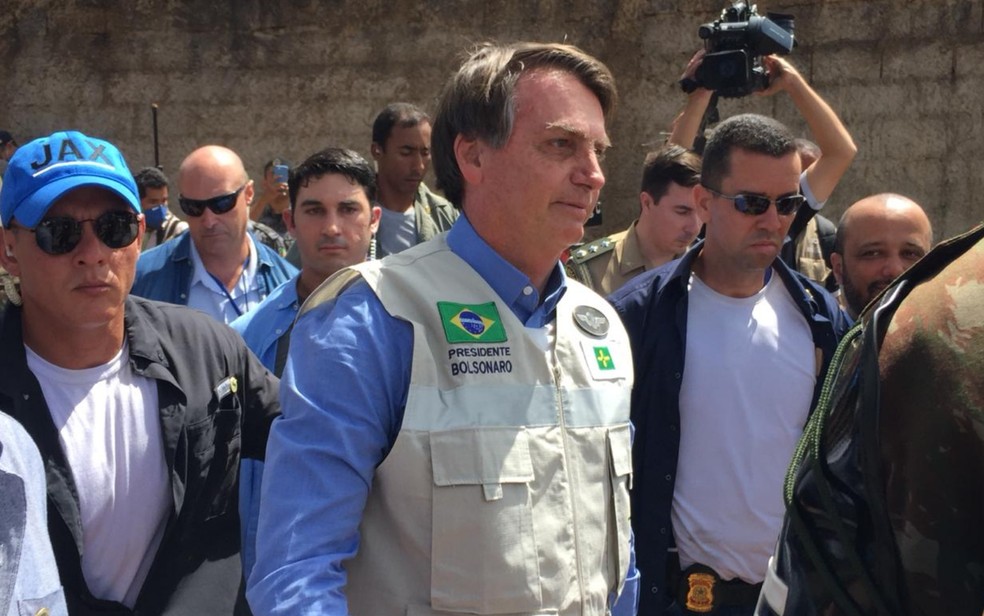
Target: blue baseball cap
x=41 y=171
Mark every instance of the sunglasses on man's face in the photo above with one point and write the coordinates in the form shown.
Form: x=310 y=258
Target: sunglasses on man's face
x=61 y=234
x=755 y=205
x=219 y=205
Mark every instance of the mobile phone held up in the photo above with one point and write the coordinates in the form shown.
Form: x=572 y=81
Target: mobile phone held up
x=280 y=173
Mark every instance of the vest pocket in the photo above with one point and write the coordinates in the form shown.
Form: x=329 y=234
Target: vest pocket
x=484 y=553
x=620 y=454
x=53 y=604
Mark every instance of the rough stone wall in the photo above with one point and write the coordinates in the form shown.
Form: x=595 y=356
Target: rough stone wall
x=290 y=76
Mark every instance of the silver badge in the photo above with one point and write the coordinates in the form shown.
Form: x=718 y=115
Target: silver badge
x=591 y=320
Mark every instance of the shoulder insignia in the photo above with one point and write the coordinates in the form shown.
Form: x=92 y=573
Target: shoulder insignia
x=589 y=251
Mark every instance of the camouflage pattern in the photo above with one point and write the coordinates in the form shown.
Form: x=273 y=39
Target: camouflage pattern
x=885 y=506
x=268 y=236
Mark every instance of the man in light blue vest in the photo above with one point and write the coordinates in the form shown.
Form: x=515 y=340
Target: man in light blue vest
x=455 y=436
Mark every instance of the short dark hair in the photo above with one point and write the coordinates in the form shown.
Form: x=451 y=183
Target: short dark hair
x=478 y=101
x=333 y=160
x=276 y=160
x=807 y=149
x=149 y=177
x=6 y=137
x=405 y=115
x=750 y=132
x=668 y=164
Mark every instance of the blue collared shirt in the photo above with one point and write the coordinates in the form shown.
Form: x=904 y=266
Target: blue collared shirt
x=208 y=295
x=263 y=326
x=343 y=395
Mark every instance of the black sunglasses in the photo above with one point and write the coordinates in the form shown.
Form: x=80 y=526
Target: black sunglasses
x=61 y=234
x=219 y=205
x=755 y=205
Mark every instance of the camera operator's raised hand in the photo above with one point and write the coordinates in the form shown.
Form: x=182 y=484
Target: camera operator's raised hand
x=684 y=129
x=782 y=74
x=836 y=146
x=835 y=143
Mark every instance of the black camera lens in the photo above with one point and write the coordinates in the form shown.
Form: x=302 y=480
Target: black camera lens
x=783 y=20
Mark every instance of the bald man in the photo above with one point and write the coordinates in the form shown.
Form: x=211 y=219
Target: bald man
x=216 y=267
x=878 y=238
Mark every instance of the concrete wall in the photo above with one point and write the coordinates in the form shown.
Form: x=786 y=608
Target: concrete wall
x=290 y=76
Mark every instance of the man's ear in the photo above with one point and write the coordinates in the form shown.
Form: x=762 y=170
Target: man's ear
x=8 y=258
x=288 y=217
x=645 y=200
x=248 y=193
x=702 y=202
x=375 y=150
x=376 y=213
x=468 y=153
x=837 y=266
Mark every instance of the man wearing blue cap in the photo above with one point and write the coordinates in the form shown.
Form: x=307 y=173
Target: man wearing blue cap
x=141 y=410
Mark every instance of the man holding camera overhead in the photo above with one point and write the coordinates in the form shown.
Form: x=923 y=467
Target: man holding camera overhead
x=729 y=345
x=735 y=65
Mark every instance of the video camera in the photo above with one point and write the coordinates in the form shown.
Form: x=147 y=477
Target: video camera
x=735 y=45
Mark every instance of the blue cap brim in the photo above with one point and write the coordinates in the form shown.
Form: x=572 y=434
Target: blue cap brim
x=36 y=205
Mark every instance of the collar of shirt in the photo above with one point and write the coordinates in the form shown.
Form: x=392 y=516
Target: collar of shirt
x=510 y=284
x=246 y=282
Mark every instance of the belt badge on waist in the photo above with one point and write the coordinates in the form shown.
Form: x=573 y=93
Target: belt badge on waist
x=700 y=592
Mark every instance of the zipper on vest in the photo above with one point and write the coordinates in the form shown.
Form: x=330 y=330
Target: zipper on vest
x=570 y=482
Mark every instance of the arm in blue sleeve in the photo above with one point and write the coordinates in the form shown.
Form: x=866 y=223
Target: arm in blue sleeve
x=250 y=476
x=342 y=396
x=627 y=603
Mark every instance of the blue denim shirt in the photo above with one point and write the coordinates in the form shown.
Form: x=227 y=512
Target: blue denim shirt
x=165 y=273
x=263 y=326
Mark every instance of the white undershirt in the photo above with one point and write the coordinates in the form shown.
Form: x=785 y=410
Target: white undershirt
x=107 y=421
x=397 y=231
x=747 y=384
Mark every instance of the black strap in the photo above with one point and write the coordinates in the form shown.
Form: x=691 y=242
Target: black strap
x=283 y=345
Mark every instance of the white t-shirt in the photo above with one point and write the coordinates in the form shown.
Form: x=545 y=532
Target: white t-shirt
x=108 y=426
x=748 y=380
x=397 y=231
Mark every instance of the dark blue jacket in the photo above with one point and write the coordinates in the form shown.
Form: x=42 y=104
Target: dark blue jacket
x=653 y=307
x=164 y=273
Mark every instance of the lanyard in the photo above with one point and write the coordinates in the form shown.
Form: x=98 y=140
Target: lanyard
x=222 y=286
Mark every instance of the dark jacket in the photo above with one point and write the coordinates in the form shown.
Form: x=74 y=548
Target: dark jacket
x=165 y=273
x=197 y=568
x=433 y=214
x=653 y=308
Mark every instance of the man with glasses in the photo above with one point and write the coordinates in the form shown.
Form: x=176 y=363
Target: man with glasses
x=216 y=267
x=730 y=346
x=142 y=411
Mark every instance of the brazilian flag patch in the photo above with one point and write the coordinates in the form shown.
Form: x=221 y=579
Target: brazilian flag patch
x=471 y=322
